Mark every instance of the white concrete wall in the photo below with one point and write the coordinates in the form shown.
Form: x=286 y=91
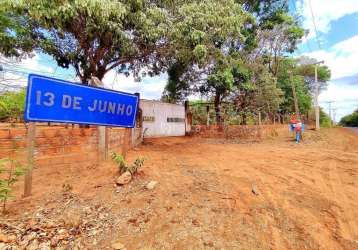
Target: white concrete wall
x=160 y=127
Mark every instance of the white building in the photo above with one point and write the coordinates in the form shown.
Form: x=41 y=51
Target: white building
x=162 y=119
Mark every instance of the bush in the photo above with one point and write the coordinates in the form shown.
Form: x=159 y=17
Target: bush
x=10 y=171
x=350 y=120
x=124 y=167
x=12 y=105
x=324 y=119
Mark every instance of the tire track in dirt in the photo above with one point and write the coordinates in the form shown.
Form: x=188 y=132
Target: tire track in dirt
x=344 y=216
x=283 y=223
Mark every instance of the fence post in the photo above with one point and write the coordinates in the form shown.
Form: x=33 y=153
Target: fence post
x=260 y=118
x=102 y=142
x=208 y=115
x=134 y=130
x=31 y=132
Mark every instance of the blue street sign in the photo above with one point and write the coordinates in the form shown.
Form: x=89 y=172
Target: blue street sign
x=54 y=100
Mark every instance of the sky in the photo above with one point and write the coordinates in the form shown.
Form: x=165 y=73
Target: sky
x=336 y=42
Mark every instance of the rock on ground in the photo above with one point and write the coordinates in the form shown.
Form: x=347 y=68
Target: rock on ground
x=125 y=178
x=151 y=185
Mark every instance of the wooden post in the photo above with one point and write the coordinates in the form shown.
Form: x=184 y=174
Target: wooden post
x=138 y=123
x=31 y=131
x=208 y=115
x=260 y=118
x=102 y=143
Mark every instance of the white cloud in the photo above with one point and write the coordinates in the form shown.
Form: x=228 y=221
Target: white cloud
x=340 y=58
x=325 y=11
x=15 y=74
x=36 y=64
x=149 y=87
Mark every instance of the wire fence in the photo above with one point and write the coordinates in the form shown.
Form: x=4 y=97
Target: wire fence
x=229 y=114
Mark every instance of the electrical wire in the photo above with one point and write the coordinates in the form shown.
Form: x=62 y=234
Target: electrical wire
x=314 y=24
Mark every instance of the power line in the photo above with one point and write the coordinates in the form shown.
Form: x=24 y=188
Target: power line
x=314 y=24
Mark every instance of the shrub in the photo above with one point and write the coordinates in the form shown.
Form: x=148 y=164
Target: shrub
x=350 y=120
x=10 y=171
x=124 y=167
x=12 y=106
x=324 y=119
x=119 y=159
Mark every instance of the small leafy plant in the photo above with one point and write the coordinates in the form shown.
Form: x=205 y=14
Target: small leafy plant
x=10 y=171
x=137 y=164
x=119 y=160
x=124 y=167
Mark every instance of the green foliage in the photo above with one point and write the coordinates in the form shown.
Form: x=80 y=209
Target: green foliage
x=288 y=73
x=239 y=63
x=12 y=106
x=324 y=119
x=124 y=167
x=138 y=163
x=93 y=36
x=226 y=50
x=266 y=96
x=176 y=89
x=350 y=120
x=205 y=26
x=10 y=171
x=308 y=72
x=119 y=160
x=15 y=38
x=199 y=39
x=198 y=110
x=221 y=81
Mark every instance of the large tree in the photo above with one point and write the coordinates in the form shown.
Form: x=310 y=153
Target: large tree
x=256 y=91
x=15 y=35
x=202 y=42
x=350 y=120
x=95 y=36
x=278 y=35
x=302 y=77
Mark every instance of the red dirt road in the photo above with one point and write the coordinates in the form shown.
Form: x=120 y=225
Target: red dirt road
x=307 y=194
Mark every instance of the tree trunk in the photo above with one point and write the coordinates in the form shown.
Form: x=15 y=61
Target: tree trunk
x=217 y=109
x=244 y=119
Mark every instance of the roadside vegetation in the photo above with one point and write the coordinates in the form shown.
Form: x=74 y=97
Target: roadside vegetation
x=10 y=171
x=12 y=105
x=350 y=120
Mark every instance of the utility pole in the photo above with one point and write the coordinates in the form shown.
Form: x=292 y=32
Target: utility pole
x=334 y=116
x=330 y=112
x=316 y=93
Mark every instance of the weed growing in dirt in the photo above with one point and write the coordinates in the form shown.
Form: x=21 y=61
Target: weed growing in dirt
x=66 y=188
x=10 y=171
x=138 y=163
x=124 y=167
